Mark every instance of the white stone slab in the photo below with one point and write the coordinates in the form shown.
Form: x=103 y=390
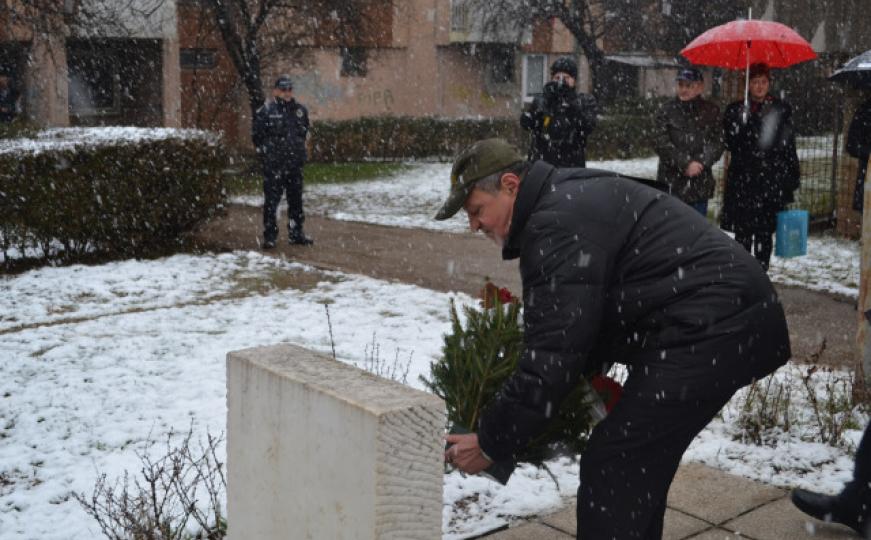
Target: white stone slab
x=320 y=449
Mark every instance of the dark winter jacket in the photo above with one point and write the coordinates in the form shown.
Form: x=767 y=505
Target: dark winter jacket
x=688 y=131
x=615 y=271
x=278 y=132
x=763 y=168
x=560 y=124
x=859 y=133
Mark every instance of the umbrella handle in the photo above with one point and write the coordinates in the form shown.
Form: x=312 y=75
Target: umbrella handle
x=747 y=85
x=747 y=74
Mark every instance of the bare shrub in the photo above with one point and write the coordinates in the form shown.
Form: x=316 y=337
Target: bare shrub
x=765 y=411
x=832 y=406
x=395 y=370
x=177 y=496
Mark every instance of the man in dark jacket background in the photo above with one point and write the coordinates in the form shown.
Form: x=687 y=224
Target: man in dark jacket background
x=561 y=119
x=688 y=140
x=615 y=271
x=859 y=146
x=279 y=131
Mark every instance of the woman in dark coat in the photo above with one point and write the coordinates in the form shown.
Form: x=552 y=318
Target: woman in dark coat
x=763 y=170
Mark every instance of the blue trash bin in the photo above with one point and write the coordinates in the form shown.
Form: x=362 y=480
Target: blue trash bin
x=791 y=238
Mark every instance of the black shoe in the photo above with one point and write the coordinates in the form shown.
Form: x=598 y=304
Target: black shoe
x=268 y=244
x=830 y=508
x=300 y=240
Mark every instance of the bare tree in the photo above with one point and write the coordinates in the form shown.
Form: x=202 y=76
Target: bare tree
x=82 y=18
x=257 y=32
x=612 y=25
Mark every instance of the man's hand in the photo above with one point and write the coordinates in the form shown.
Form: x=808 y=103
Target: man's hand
x=694 y=169
x=465 y=454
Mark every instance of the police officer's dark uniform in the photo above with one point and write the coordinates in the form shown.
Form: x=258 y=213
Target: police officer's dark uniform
x=560 y=120
x=279 y=131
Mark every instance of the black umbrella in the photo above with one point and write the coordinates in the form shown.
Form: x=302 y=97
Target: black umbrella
x=856 y=72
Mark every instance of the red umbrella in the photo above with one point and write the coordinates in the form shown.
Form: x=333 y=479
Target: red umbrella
x=736 y=44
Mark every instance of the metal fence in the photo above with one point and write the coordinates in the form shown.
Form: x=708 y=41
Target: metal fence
x=819 y=157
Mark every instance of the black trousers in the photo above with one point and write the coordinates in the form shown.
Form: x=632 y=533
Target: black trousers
x=275 y=185
x=631 y=459
x=856 y=496
x=759 y=243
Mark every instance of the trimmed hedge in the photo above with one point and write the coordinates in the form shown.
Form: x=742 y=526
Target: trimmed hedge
x=399 y=138
x=133 y=198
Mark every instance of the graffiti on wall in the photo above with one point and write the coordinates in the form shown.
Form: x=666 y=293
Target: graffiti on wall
x=376 y=99
x=325 y=93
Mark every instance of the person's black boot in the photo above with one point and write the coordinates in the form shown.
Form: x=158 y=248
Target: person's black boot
x=831 y=508
x=267 y=244
x=298 y=238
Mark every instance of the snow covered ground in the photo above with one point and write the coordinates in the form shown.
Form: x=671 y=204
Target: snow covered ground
x=96 y=360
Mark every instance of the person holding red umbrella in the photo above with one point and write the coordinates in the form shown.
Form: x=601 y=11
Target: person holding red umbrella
x=763 y=170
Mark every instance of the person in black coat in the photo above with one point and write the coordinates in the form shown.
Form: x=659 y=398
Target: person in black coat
x=763 y=169
x=859 y=146
x=278 y=131
x=560 y=119
x=615 y=271
x=688 y=139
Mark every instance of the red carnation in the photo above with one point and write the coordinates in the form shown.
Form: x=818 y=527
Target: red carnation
x=491 y=294
x=609 y=389
x=505 y=296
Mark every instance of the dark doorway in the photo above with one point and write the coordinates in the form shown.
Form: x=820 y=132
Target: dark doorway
x=13 y=58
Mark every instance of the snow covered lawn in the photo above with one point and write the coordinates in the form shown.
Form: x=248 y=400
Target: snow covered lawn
x=96 y=360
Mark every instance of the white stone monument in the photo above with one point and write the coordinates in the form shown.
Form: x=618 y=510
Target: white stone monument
x=322 y=450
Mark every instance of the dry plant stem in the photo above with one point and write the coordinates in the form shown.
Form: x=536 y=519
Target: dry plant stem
x=330 y=327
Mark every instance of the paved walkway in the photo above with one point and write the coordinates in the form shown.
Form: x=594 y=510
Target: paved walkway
x=706 y=504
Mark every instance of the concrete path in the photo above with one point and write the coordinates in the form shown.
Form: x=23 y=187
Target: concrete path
x=705 y=504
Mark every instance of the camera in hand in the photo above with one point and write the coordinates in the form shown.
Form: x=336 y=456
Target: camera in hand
x=557 y=90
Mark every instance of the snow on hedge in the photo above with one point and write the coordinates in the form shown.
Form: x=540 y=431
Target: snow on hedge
x=65 y=138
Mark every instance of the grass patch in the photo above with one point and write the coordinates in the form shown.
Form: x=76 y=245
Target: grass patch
x=251 y=181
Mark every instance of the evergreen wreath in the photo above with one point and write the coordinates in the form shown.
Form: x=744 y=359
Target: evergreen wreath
x=480 y=354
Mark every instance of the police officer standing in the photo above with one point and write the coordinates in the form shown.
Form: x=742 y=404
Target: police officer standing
x=279 y=131
x=560 y=119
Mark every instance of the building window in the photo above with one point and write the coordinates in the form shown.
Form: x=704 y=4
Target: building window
x=94 y=85
x=534 y=75
x=500 y=68
x=459 y=16
x=198 y=58
x=666 y=8
x=353 y=61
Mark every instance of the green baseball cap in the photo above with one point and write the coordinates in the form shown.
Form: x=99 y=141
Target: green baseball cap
x=478 y=161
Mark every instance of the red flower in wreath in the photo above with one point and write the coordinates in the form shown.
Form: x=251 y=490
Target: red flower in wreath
x=491 y=294
x=609 y=389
